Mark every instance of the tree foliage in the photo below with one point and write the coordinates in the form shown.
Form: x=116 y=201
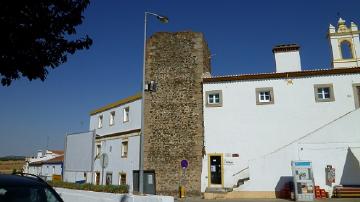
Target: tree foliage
x=37 y=35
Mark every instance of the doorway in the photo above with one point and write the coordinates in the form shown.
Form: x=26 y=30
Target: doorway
x=215 y=170
x=97 y=178
x=149 y=181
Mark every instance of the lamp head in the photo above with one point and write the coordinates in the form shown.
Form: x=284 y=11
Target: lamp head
x=163 y=19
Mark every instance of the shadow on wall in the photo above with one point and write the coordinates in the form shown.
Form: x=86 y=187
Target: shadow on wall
x=284 y=187
x=351 y=172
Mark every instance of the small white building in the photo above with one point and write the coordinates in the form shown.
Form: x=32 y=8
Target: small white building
x=117 y=127
x=256 y=124
x=45 y=164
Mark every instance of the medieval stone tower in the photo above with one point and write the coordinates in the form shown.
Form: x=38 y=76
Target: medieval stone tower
x=173 y=129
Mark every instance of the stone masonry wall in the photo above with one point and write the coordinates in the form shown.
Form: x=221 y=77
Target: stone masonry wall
x=174 y=113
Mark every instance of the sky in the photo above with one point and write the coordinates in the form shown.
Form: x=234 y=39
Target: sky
x=240 y=34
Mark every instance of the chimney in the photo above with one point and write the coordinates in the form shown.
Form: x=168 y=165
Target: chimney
x=287 y=58
x=39 y=154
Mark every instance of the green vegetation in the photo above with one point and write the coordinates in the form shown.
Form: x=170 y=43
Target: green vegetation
x=12 y=158
x=91 y=187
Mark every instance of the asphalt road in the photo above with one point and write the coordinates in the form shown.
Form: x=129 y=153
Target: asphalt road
x=263 y=200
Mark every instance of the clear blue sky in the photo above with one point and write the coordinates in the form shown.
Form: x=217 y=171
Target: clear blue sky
x=240 y=33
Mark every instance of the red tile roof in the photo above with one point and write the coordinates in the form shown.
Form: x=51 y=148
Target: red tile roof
x=57 y=151
x=59 y=159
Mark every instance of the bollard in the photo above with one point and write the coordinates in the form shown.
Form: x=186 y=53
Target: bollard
x=181 y=192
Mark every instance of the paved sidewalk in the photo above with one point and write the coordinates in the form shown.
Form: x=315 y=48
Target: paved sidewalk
x=190 y=199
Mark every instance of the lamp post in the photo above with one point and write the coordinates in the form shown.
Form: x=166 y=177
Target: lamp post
x=162 y=19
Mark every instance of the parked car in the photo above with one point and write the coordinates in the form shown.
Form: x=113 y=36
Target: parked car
x=26 y=188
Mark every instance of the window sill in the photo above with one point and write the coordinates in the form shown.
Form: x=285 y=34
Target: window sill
x=214 y=105
x=264 y=103
x=325 y=100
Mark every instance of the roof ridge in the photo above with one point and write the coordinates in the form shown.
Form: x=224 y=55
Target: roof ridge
x=308 y=72
x=116 y=103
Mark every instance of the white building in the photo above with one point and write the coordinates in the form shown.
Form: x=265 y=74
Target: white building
x=117 y=128
x=45 y=164
x=256 y=124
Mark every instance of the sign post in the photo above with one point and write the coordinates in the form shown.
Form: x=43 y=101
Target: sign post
x=104 y=161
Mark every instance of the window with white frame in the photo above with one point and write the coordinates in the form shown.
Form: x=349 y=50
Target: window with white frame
x=112 y=118
x=264 y=95
x=100 y=121
x=126 y=114
x=324 y=93
x=124 y=149
x=213 y=98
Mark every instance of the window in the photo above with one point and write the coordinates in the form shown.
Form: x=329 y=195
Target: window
x=122 y=178
x=324 y=93
x=98 y=150
x=112 y=118
x=356 y=88
x=126 y=114
x=100 y=121
x=264 y=96
x=346 y=50
x=213 y=98
x=124 y=149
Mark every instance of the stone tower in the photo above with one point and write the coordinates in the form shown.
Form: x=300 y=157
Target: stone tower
x=345 y=45
x=173 y=126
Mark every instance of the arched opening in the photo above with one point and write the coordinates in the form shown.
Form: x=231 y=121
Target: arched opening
x=346 y=50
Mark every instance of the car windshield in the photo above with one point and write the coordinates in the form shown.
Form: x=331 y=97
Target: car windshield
x=27 y=194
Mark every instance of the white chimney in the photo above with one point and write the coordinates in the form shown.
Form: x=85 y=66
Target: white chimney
x=287 y=58
x=39 y=154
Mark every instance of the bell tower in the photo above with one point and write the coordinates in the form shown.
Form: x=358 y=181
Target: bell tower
x=345 y=45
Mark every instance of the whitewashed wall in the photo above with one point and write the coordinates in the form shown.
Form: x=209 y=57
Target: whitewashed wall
x=51 y=169
x=45 y=170
x=112 y=145
x=69 y=195
x=327 y=146
x=242 y=127
x=117 y=164
x=287 y=61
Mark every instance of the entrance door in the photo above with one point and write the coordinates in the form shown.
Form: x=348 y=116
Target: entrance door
x=215 y=170
x=97 y=178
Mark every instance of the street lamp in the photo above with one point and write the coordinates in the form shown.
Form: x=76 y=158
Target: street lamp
x=162 y=19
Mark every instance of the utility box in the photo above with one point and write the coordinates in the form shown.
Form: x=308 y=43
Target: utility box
x=149 y=181
x=303 y=180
